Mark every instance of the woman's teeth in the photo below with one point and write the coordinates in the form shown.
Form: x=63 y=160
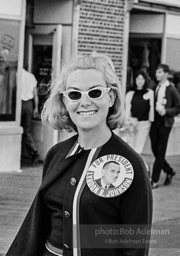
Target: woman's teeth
x=88 y=113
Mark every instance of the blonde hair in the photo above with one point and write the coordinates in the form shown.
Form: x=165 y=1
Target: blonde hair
x=54 y=111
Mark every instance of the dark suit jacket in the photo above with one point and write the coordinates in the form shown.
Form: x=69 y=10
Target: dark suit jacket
x=98 y=181
x=134 y=206
x=172 y=106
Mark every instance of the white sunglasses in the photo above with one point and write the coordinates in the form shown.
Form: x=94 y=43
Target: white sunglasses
x=95 y=93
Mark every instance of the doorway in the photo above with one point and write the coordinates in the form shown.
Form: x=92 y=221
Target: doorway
x=44 y=61
x=144 y=53
x=42 y=69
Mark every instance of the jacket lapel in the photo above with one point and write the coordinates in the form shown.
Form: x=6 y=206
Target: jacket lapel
x=61 y=167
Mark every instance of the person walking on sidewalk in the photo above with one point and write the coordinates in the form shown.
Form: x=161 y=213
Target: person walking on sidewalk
x=167 y=105
x=70 y=206
x=29 y=109
x=139 y=112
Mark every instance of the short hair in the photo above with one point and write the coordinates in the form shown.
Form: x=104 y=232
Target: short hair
x=164 y=67
x=54 y=110
x=108 y=163
x=145 y=76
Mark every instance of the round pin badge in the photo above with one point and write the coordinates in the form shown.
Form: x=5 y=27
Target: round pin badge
x=110 y=176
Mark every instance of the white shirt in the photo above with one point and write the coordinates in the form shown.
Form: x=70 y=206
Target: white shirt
x=29 y=82
x=161 y=91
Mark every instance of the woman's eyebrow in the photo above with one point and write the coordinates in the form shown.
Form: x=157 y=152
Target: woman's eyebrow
x=91 y=87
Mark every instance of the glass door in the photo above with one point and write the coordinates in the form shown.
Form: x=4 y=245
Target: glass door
x=45 y=60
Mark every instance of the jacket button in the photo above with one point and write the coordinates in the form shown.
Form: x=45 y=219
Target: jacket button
x=73 y=181
x=66 y=214
x=66 y=246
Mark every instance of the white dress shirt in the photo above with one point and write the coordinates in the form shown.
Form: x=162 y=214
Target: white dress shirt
x=29 y=82
x=161 y=93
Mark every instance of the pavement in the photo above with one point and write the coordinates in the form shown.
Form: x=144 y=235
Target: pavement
x=17 y=190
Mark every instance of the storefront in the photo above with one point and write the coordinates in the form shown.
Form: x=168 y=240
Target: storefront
x=134 y=33
x=12 y=20
x=38 y=35
x=154 y=37
x=48 y=45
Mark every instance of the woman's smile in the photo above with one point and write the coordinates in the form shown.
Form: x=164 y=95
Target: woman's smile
x=87 y=113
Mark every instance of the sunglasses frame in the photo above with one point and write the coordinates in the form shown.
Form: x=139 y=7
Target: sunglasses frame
x=102 y=89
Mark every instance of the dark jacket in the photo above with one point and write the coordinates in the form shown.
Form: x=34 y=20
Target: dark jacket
x=172 y=105
x=133 y=207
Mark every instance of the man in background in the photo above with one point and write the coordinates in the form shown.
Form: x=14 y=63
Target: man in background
x=29 y=99
x=167 y=105
x=110 y=173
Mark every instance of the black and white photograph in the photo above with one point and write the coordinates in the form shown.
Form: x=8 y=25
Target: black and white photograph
x=89 y=127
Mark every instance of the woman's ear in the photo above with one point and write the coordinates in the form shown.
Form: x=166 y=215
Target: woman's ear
x=112 y=97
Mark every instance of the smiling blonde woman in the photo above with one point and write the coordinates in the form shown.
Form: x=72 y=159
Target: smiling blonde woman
x=70 y=207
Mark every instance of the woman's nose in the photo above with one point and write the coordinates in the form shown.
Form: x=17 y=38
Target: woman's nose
x=85 y=100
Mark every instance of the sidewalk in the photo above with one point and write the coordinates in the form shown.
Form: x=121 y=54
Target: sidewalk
x=17 y=191
x=166 y=212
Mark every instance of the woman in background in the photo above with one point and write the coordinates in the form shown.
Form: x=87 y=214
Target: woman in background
x=139 y=112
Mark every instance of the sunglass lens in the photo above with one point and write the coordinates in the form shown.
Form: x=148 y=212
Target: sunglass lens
x=96 y=93
x=74 y=95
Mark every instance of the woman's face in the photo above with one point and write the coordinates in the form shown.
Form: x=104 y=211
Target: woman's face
x=88 y=113
x=140 y=81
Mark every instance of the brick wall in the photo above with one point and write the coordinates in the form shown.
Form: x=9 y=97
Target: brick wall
x=101 y=25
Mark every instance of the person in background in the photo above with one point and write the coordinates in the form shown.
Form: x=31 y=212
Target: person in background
x=87 y=98
x=139 y=107
x=29 y=99
x=167 y=105
x=177 y=81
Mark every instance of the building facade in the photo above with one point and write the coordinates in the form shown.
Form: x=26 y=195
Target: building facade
x=133 y=33
x=154 y=35
x=12 y=24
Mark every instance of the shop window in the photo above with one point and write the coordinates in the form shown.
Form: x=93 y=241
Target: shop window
x=9 y=41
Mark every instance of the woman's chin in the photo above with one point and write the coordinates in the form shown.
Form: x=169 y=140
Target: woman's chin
x=86 y=128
